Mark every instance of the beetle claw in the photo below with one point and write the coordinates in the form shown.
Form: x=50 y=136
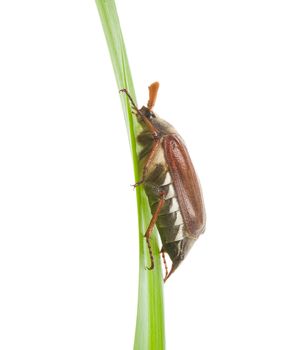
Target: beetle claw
x=151 y=267
x=137 y=184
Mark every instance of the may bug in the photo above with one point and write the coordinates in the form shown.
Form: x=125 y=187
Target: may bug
x=170 y=183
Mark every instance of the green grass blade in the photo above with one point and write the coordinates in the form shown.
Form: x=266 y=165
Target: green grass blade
x=149 y=333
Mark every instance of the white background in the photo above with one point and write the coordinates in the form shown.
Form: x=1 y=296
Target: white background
x=232 y=82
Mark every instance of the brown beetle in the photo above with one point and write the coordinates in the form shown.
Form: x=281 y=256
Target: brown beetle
x=170 y=183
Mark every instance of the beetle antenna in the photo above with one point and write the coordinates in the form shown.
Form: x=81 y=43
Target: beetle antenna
x=152 y=263
x=153 y=91
x=130 y=99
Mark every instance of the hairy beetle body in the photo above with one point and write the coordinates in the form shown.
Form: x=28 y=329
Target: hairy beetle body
x=170 y=183
x=176 y=237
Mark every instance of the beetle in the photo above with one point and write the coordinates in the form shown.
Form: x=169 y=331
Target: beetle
x=170 y=183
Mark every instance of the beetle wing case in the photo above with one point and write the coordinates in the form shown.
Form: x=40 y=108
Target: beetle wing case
x=186 y=185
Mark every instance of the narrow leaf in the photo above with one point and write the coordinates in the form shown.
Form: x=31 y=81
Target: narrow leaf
x=149 y=333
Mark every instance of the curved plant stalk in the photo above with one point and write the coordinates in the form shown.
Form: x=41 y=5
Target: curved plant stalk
x=149 y=333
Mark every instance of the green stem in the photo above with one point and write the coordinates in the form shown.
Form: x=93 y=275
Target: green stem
x=150 y=333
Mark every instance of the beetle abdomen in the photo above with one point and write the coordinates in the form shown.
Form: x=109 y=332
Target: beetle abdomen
x=170 y=221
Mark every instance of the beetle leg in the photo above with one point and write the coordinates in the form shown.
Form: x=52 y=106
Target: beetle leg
x=165 y=264
x=153 y=89
x=150 y=228
x=149 y=159
x=138 y=183
x=135 y=111
x=152 y=263
x=138 y=113
x=130 y=99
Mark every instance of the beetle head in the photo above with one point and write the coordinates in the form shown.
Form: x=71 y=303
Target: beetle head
x=147 y=113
